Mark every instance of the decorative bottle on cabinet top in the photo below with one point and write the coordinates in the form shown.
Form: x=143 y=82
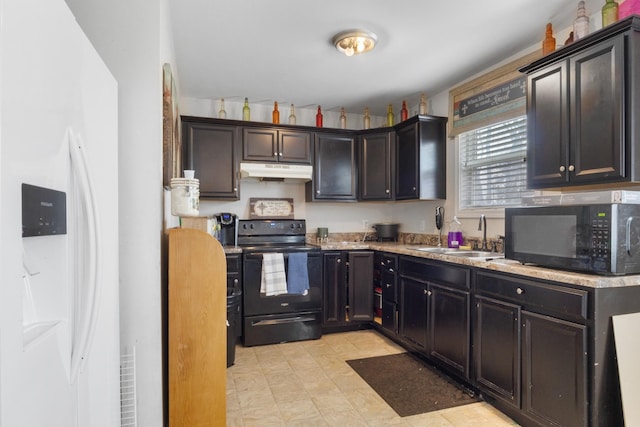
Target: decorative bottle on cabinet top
x=549 y=42
x=366 y=119
x=222 y=114
x=343 y=119
x=404 y=113
x=390 y=115
x=276 y=114
x=609 y=12
x=423 y=105
x=292 y=116
x=319 y=118
x=581 y=23
x=246 y=112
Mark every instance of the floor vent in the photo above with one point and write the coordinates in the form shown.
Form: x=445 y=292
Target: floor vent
x=128 y=416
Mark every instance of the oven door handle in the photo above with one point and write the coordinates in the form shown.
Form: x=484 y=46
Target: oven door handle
x=295 y=319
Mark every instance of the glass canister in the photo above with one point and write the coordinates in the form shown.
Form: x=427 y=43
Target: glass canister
x=185 y=197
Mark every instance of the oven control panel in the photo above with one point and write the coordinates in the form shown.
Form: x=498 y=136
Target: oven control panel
x=273 y=227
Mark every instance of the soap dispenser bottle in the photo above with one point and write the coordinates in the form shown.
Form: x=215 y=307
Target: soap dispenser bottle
x=454 y=238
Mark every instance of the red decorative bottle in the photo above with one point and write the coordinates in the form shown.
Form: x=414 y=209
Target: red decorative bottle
x=404 y=113
x=319 y=118
x=276 y=113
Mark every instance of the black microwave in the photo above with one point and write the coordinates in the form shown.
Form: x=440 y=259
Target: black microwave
x=600 y=238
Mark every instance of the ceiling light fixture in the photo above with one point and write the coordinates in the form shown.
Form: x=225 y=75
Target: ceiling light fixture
x=354 y=42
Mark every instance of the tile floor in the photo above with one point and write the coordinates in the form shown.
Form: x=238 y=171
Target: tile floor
x=308 y=383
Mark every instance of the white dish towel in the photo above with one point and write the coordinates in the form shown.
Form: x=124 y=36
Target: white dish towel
x=274 y=279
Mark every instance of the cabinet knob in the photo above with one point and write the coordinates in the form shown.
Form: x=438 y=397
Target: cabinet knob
x=338 y=260
x=275 y=154
x=235 y=281
x=386 y=191
x=414 y=188
x=317 y=191
x=520 y=291
x=235 y=188
x=428 y=293
x=562 y=169
x=571 y=168
x=280 y=154
x=425 y=292
x=391 y=270
x=388 y=285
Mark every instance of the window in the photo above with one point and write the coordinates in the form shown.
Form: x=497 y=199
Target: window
x=493 y=172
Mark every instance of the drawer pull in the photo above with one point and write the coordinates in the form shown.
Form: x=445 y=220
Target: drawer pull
x=388 y=285
x=520 y=291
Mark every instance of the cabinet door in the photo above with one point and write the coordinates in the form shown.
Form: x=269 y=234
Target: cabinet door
x=212 y=151
x=260 y=145
x=335 y=171
x=295 y=147
x=597 y=99
x=413 y=312
x=548 y=127
x=554 y=370
x=376 y=160
x=407 y=162
x=449 y=327
x=497 y=349
x=334 y=294
x=360 y=286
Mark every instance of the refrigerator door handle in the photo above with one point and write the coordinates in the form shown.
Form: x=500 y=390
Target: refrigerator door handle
x=87 y=318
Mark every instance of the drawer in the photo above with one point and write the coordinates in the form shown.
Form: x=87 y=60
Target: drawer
x=429 y=271
x=557 y=300
x=386 y=261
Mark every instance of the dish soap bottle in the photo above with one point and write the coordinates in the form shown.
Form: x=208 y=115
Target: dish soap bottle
x=454 y=238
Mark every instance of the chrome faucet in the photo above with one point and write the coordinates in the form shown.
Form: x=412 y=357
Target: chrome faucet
x=482 y=225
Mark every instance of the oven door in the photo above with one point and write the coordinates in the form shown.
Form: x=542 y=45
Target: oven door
x=256 y=303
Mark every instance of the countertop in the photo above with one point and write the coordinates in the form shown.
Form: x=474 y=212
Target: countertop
x=499 y=264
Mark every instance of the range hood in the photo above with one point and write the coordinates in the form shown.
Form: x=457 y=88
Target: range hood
x=276 y=171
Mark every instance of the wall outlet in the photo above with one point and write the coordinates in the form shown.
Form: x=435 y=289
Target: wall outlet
x=422 y=225
x=365 y=224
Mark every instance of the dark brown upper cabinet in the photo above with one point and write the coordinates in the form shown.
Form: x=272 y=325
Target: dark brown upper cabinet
x=276 y=145
x=583 y=111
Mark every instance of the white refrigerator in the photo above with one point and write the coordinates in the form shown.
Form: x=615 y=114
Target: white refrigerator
x=59 y=328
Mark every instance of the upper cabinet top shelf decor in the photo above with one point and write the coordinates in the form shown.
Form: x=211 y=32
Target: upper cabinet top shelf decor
x=583 y=111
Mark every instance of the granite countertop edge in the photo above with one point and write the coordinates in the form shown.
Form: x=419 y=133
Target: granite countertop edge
x=498 y=265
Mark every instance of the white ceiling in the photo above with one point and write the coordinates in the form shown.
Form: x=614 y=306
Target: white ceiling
x=280 y=50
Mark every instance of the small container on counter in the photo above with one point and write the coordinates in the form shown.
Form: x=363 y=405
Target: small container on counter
x=185 y=197
x=454 y=237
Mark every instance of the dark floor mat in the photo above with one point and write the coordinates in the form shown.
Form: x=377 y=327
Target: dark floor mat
x=409 y=385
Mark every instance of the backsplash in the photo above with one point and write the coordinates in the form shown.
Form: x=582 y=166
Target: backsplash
x=406 y=239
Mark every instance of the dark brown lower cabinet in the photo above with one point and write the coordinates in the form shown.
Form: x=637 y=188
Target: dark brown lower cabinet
x=413 y=312
x=347 y=292
x=497 y=349
x=554 y=369
x=435 y=312
x=449 y=327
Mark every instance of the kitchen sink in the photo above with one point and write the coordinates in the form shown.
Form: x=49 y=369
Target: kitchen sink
x=461 y=253
x=437 y=250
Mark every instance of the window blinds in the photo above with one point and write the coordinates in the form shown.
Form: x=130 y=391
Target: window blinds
x=493 y=165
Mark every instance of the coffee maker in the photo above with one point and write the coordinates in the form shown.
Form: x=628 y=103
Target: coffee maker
x=226 y=228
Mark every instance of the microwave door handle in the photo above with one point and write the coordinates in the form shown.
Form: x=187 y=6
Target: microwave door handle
x=628 y=235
